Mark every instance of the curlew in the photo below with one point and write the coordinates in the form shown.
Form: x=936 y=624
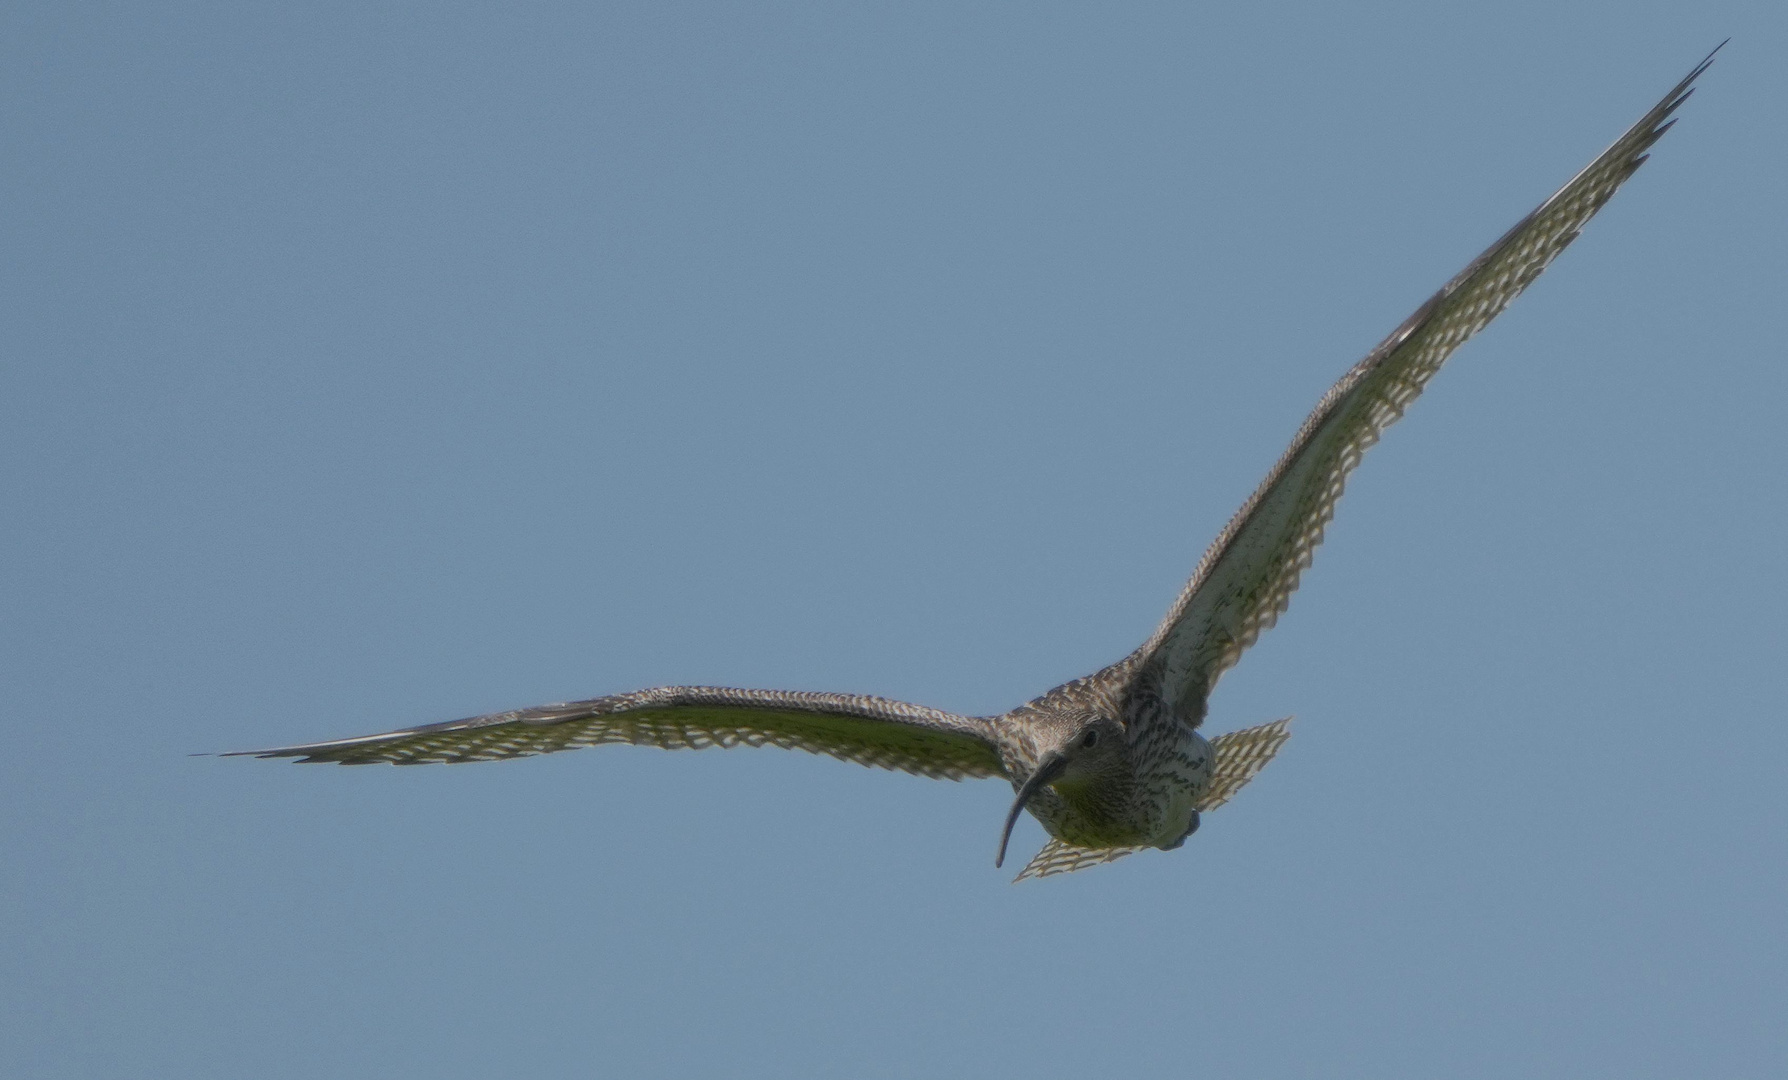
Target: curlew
x=1111 y=763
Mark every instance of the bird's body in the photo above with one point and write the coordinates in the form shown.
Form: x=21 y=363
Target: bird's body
x=1113 y=762
x=1143 y=793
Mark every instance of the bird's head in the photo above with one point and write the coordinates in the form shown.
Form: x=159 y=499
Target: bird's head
x=1078 y=752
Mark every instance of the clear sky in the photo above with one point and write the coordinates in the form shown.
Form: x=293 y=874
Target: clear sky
x=368 y=365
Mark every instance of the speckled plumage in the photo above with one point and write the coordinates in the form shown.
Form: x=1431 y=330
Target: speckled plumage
x=1113 y=762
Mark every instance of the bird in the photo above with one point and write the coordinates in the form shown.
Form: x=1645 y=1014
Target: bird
x=1114 y=762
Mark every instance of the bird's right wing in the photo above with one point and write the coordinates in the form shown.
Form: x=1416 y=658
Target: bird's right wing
x=1248 y=574
x=867 y=730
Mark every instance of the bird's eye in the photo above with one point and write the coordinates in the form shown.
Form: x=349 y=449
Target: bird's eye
x=1090 y=739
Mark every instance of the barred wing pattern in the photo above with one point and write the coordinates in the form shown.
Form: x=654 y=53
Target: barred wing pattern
x=1246 y=577
x=867 y=730
x=1240 y=757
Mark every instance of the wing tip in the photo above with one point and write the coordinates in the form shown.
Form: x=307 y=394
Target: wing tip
x=307 y=754
x=1683 y=90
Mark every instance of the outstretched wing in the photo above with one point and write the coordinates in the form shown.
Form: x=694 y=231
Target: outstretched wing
x=867 y=730
x=1240 y=757
x=1247 y=576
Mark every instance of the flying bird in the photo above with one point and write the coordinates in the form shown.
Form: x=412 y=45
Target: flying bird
x=1111 y=763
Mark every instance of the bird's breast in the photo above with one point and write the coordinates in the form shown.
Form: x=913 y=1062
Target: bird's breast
x=1151 y=805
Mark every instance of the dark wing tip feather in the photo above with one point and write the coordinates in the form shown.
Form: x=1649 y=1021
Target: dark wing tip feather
x=1706 y=62
x=1684 y=89
x=336 y=752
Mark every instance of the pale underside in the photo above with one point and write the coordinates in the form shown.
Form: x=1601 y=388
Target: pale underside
x=1239 y=588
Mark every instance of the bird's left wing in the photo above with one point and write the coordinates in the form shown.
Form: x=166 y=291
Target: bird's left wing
x=1247 y=575
x=867 y=730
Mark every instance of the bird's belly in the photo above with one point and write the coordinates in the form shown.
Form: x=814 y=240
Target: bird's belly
x=1158 y=808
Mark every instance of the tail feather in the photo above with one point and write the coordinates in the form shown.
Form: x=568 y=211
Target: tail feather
x=1059 y=858
x=1240 y=757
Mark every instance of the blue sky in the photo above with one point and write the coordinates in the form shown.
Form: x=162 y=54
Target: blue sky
x=369 y=365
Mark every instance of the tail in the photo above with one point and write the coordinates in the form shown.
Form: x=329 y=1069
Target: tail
x=1240 y=757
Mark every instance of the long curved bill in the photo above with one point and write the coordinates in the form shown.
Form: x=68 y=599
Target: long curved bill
x=1050 y=768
